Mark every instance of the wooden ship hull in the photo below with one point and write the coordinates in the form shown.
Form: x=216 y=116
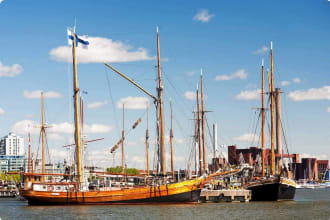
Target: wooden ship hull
x=182 y=192
x=272 y=189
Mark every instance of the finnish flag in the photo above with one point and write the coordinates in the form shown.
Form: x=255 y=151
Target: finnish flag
x=80 y=40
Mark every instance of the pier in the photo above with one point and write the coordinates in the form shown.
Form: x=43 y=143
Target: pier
x=5 y=193
x=226 y=195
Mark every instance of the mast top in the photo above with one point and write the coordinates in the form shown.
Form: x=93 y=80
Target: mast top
x=197 y=86
x=262 y=62
x=271 y=45
x=157 y=30
x=201 y=72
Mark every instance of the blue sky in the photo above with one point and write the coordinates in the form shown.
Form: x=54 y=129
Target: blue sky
x=227 y=39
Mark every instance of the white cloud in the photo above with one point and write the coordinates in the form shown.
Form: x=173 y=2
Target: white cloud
x=68 y=128
x=239 y=74
x=203 y=16
x=54 y=136
x=10 y=71
x=133 y=102
x=190 y=73
x=249 y=94
x=1 y=1
x=285 y=83
x=296 y=80
x=25 y=126
x=36 y=94
x=54 y=130
x=58 y=154
x=176 y=140
x=248 y=137
x=101 y=50
x=97 y=128
x=261 y=50
x=328 y=109
x=97 y=104
x=2 y=112
x=311 y=94
x=190 y=95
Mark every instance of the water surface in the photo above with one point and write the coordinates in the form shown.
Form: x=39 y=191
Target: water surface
x=308 y=204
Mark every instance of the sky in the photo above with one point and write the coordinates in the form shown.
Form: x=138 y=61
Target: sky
x=226 y=39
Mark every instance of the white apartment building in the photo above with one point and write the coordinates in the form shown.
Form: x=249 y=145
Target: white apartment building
x=12 y=145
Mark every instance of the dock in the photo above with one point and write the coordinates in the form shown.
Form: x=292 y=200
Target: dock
x=5 y=193
x=226 y=195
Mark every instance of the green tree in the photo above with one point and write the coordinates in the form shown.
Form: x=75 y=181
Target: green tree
x=118 y=169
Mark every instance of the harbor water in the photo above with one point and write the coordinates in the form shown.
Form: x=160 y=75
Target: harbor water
x=308 y=204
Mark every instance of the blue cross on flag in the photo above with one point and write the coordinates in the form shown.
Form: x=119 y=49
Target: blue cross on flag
x=80 y=40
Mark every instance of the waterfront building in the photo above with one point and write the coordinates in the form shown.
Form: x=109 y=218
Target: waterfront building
x=12 y=153
x=12 y=163
x=322 y=166
x=11 y=145
x=250 y=155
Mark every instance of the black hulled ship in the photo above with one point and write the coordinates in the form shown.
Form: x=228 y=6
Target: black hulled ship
x=279 y=185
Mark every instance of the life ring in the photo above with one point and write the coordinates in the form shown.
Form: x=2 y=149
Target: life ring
x=51 y=188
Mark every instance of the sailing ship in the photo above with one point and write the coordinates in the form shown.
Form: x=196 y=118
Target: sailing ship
x=37 y=190
x=279 y=185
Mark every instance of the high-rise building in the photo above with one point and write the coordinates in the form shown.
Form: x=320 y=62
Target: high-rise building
x=12 y=145
x=12 y=153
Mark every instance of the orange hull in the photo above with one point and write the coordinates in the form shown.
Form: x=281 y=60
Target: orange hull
x=186 y=191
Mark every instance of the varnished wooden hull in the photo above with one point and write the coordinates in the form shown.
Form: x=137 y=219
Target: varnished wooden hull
x=182 y=192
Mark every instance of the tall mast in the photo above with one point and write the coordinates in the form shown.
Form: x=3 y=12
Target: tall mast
x=171 y=141
x=147 y=141
x=215 y=139
x=122 y=143
x=278 y=126
x=43 y=133
x=82 y=113
x=160 y=109
x=199 y=134
x=76 y=110
x=196 y=144
x=203 y=123
x=272 y=165
x=29 y=154
x=262 y=119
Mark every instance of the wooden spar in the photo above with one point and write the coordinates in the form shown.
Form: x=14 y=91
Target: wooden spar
x=43 y=133
x=161 y=113
x=147 y=141
x=262 y=120
x=31 y=162
x=278 y=128
x=171 y=141
x=122 y=143
x=29 y=154
x=272 y=165
x=70 y=145
x=131 y=81
x=203 y=123
x=196 y=144
x=82 y=113
x=76 y=111
x=199 y=134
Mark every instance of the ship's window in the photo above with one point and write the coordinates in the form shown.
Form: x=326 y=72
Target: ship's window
x=44 y=187
x=58 y=188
